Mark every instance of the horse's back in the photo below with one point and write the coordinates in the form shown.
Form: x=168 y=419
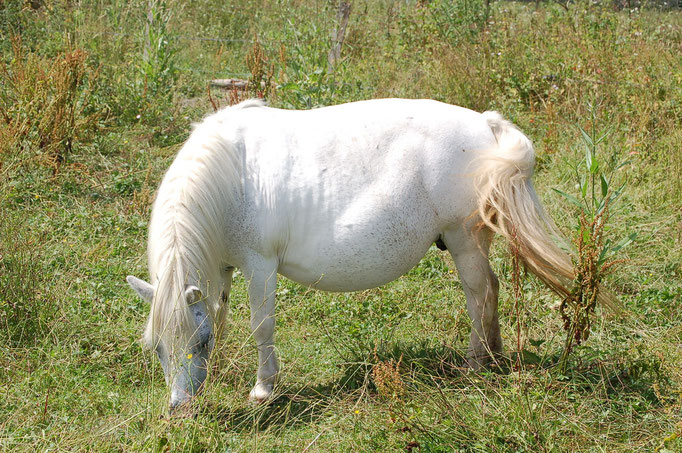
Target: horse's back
x=341 y=153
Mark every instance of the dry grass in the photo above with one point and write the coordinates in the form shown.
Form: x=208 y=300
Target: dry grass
x=42 y=104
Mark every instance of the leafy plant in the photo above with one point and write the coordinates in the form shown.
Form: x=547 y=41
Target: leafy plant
x=459 y=20
x=158 y=66
x=595 y=250
x=305 y=79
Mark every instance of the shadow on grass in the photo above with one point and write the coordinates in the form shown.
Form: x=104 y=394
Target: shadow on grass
x=428 y=367
x=298 y=405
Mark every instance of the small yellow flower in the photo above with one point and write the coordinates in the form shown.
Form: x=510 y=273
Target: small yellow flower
x=357 y=411
x=189 y=356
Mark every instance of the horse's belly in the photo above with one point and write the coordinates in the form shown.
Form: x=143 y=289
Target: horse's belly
x=342 y=270
x=358 y=254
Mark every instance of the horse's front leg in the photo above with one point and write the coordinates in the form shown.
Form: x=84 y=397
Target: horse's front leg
x=262 y=285
x=470 y=253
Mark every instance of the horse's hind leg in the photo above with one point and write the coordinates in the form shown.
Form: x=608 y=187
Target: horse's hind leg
x=470 y=253
x=262 y=285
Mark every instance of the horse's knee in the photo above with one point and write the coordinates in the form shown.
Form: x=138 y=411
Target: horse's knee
x=263 y=330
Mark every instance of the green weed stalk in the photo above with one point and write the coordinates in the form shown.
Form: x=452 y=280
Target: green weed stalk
x=596 y=251
x=158 y=67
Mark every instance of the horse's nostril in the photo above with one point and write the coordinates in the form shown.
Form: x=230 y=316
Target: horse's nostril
x=178 y=399
x=178 y=406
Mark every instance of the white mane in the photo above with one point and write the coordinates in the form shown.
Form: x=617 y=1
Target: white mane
x=186 y=227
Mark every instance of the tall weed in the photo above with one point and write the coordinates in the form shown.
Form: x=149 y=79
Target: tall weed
x=305 y=81
x=596 y=250
x=460 y=20
x=158 y=66
x=260 y=83
x=43 y=103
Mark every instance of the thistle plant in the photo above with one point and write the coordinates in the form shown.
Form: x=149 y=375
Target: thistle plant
x=595 y=248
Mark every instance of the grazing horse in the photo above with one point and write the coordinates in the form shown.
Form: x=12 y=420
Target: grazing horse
x=340 y=198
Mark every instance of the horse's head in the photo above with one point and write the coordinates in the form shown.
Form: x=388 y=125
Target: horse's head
x=183 y=351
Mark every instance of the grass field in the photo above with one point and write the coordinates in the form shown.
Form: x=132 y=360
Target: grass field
x=97 y=97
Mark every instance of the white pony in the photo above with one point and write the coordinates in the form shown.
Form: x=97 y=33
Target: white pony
x=340 y=198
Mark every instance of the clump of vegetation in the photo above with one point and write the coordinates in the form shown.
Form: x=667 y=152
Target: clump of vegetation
x=23 y=314
x=595 y=248
x=576 y=310
x=260 y=82
x=387 y=379
x=158 y=68
x=43 y=104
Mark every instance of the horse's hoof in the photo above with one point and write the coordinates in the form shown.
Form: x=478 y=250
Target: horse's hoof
x=260 y=393
x=478 y=363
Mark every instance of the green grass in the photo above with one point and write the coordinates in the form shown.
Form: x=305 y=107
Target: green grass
x=73 y=374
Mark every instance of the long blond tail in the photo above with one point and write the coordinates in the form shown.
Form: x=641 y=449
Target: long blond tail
x=509 y=205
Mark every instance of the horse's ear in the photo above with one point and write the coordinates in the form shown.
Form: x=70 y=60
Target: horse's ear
x=192 y=294
x=142 y=288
